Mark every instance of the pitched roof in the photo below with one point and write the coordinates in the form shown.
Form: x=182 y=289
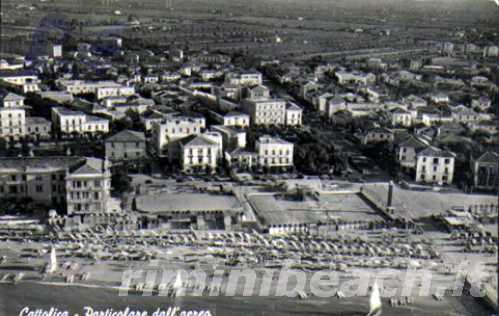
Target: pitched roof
x=90 y=166
x=234 y=113
x=197 y=140
x=489 y=156
x=127 y=136
x=7 y=96
x=59 y=162
x=293 y=107
x=413 y=141
x=431 y=151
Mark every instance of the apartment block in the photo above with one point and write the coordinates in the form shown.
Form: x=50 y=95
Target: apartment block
x=67 y=121
x=274 y=152
x=435 y=166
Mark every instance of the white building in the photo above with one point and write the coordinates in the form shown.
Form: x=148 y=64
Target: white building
x=12 y=123
x=231 y=137
x=199 y=152
x=12 y=100
x=435 y=166
x=401 y=117
x=26 y=80
x=69 y=122
x=294 y=115
x=171 y=130
x=88 y=187
x=259 y=92
x=345 y=77
x=249 y=78
x=232 y=118
x=462 y=114
x=101 y=89
x=431 y=118
x=80 y=185
x=407 y=152
x=274 y=152
x=266 y=111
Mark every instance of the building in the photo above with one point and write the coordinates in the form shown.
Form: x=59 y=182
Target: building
x=38 y=128
x=12 y=100
x=75 y=122
x=266 y=111
x=463 y=114
x=241 y=158
x=12 y=123
x=378 y=135
x=56 y=51
x=401 y=117
x=345 y=77
x=27 y=81
x=65 y=183
x=274 y=152
x=232 y=137
x=486 y=171
x=435 y=166
x=257 y=93
x=173 y=129
x=57 y=96
x=483 y=103
x=244 y=78
x=126 y=145
x=101 y=89
x=88 y=187
x=407 y=152
x=232 y=118
x=199 y=153
x=186 y=210
x=294 y=115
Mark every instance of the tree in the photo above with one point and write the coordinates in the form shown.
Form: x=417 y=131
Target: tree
x=120 y=181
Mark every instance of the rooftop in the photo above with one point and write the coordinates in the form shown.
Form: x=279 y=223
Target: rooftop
x=127 y=136
x=184 y=202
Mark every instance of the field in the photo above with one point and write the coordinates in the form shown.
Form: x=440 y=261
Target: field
x=264 y=28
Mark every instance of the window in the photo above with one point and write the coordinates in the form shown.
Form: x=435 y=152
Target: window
x=54 y=177
x=435 y=161
x=447 y=161
x=39 y=188
x=13 y=177
x=96 y=195
x=38 y=178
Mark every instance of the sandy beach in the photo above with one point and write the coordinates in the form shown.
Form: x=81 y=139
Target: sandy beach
x=13 y=298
